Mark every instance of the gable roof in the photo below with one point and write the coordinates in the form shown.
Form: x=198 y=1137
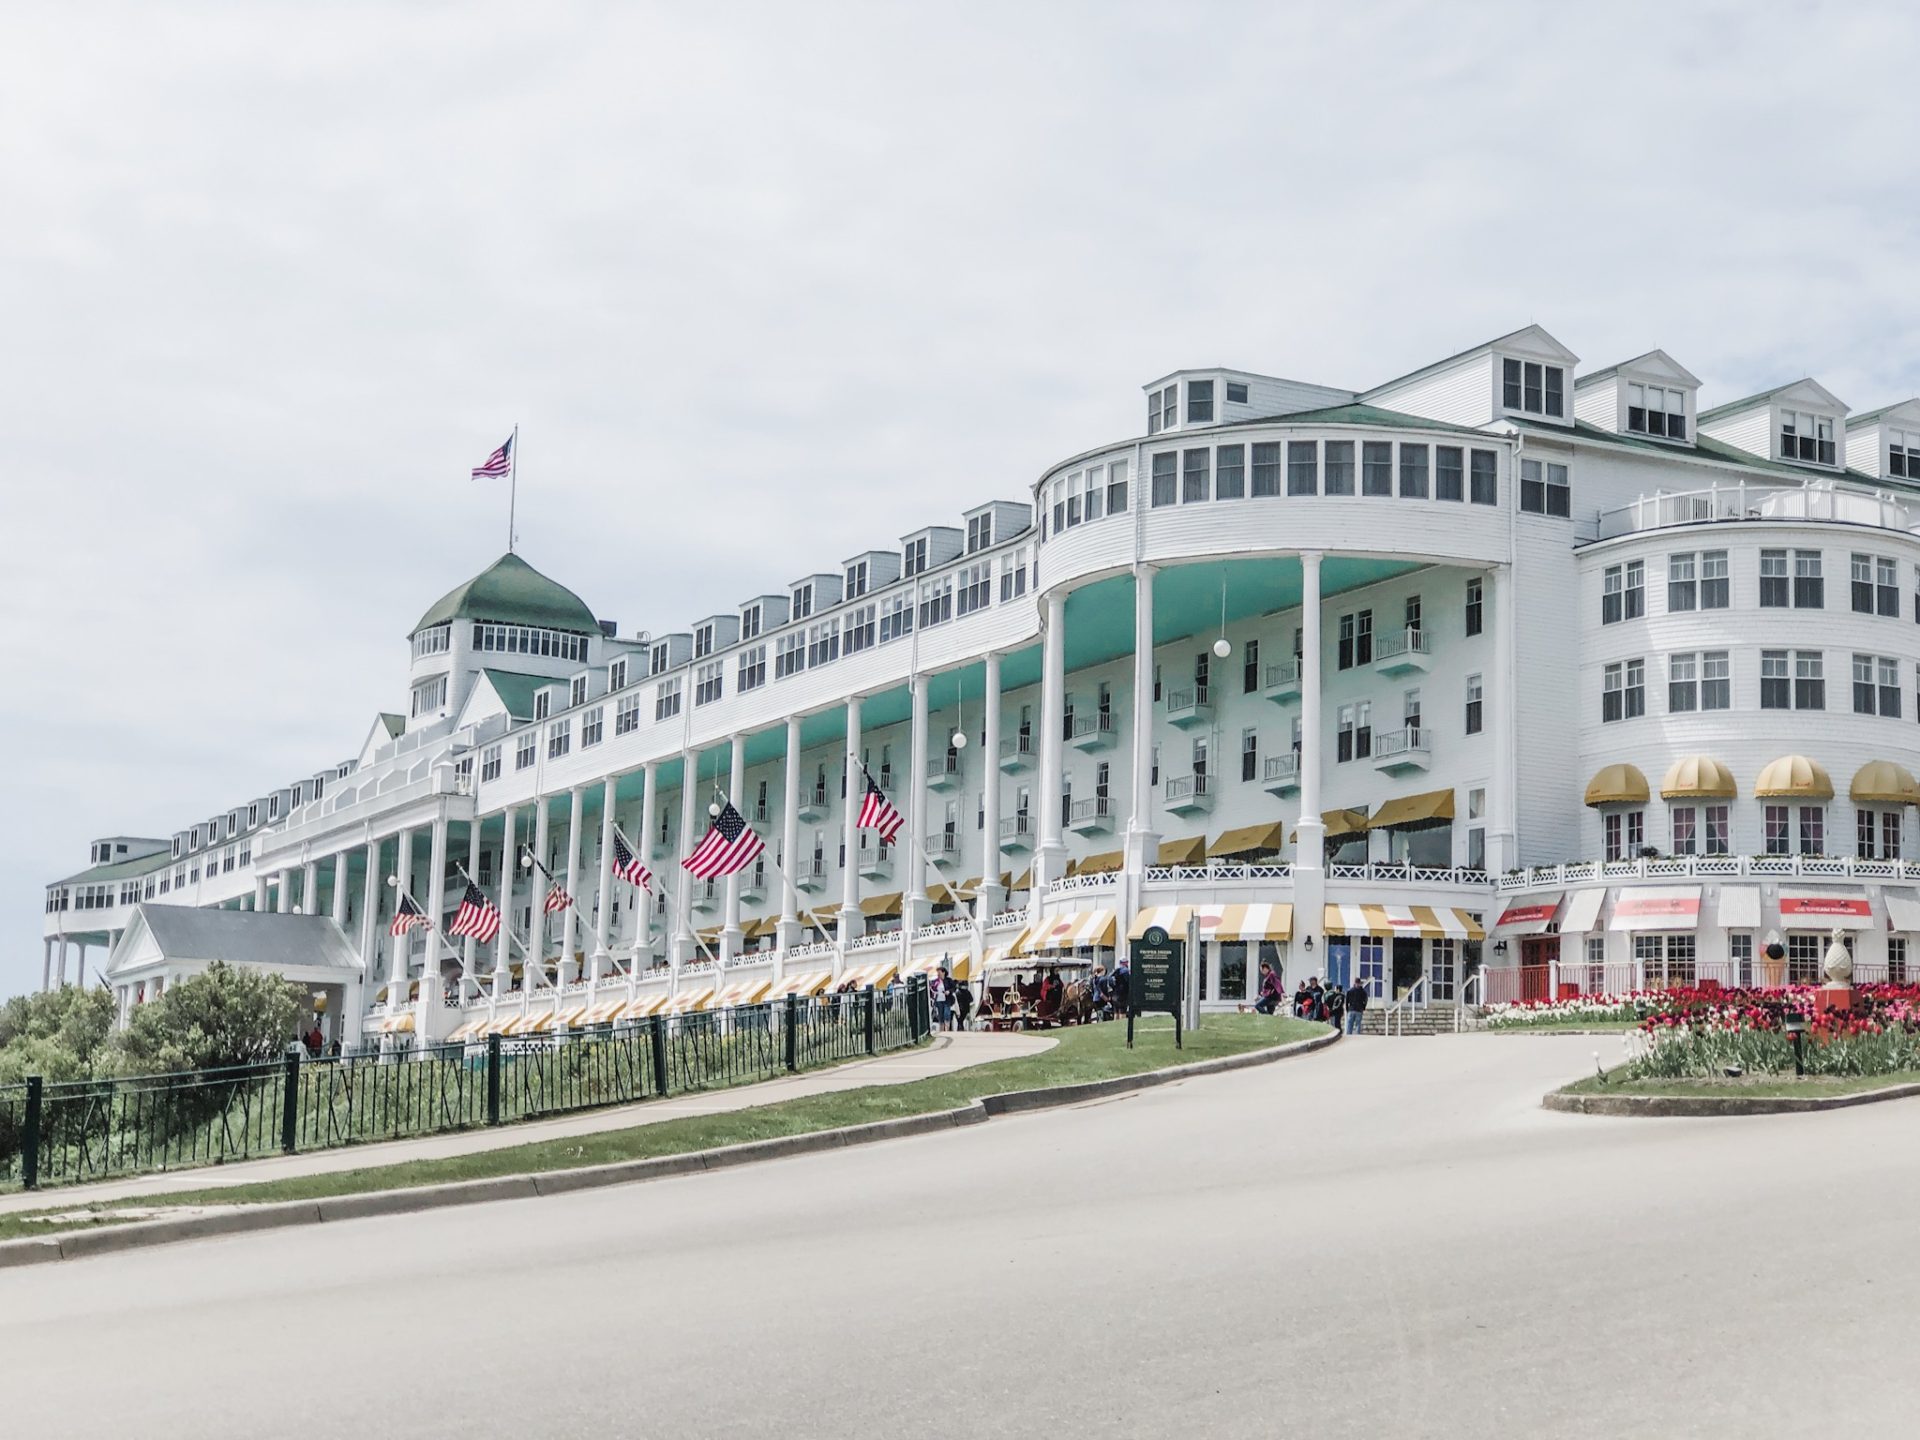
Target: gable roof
x=1766 y=397
x=516 y=691
x=1874 y=417
x=1533 y=335
x=247 y=937
x=1704 y=448
x=1654 y=361
x=512 y=592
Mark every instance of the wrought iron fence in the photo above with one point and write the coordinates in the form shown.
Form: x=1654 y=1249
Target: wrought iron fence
x=91 y=1129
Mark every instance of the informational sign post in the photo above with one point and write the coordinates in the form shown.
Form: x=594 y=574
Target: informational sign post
x=1158 y=963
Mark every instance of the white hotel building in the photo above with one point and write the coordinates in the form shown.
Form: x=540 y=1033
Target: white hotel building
x=1498 y=662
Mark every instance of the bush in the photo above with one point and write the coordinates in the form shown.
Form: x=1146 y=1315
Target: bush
x=61 y=1034
x=226 y=1015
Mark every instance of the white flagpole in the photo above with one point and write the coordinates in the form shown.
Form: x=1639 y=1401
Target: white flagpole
x=513 y=482
x=665 y=894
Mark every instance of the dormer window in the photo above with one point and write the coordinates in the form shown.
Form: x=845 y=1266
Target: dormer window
x=273 y=807
x=1533 y=388
x=702 y=641
x=1903 y=454
x=1163 y=409
x=617 y=675
x=856 y=579
x=577 y=691
x=176 y=847
x=802 y=601
x=1806 y=437
x=1200 y=402
x=749 y=622
x=913 y=558
x=659 y=659
x=1657 y=410
x=979 y=532
x=542 y=705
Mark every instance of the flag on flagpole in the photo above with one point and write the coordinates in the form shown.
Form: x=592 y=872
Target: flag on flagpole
x=627 y=866
x=728 y=847
x=499 y=463
x=878 y=813
x=408 y=917
x=557 y=898
x=477 y=916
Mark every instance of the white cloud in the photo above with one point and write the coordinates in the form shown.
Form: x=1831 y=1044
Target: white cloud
x=273 y=277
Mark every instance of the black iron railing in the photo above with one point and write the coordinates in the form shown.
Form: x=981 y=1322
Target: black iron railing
x=92 y=1129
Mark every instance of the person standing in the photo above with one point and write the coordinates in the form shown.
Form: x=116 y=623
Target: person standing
x=942 y=995
x=1356 y=1006
x=1336 y=1004
x=1271 y=996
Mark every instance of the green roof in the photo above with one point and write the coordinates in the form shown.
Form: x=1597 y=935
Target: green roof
x=125 y=869
x=516 y=690
x=512 y=592
x=1704 y=448
x=1359 y=414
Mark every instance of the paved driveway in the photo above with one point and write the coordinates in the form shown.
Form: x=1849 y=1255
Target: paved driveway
x=1390 y=1239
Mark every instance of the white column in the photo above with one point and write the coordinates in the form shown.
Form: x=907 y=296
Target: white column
x=399 y=945
x=642 y=928
x=570 y=917
x=428 y=1024
x=1143 y=838
x=536 y=894
x=503 y=942
x=260 y=892
x=46 y=965
x=310 y=888
x=603 y=912
x=80 y=965
x=1051 y=857
x=913 y=913
x=285 y=903
x=849 y=923
x=370 y=885
x=340 y=878
x=1503 y=851
x=1309 y=952
x=63 y=963
x=790 y=837
x=736 y=797
x=992 y=895
x=683 y=883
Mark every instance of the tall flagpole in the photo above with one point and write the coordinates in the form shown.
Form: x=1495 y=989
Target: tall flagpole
x=513 y=482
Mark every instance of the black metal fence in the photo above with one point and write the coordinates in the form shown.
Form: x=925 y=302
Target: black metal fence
x=93 y=1129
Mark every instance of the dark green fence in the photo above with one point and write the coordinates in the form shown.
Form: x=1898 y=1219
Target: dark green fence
x=93 y=1129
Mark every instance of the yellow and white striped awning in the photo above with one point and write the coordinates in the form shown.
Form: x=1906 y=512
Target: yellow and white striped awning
x=1217 y=922
x=742 y=992
x=876 y=974
x=1069 y=932
x=571 y=1016
x=470 y=1030
x=803 y=983
x=597 y=1014
x=400 y=1023
x=1425 y=922
x=688 y=1001
x=646 y=1005
x=499 y=1025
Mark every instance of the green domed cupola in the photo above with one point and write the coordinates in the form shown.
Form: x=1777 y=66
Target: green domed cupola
x=512 y=592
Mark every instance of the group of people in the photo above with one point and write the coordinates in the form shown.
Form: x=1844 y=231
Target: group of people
x=952 y=1000
x=1343 y=1009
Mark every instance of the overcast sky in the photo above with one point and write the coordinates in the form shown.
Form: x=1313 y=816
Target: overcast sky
x=768 y=284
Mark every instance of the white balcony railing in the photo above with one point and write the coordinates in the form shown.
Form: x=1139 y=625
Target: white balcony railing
x=1690 y=867
x=1818 y=499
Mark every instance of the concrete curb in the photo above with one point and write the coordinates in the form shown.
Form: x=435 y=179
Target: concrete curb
x=238 y=1219
x=1705 y=1106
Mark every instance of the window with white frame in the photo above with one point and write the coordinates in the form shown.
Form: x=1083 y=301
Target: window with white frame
x=803 y=600
x=979 y=532
x=490 y=764
x=1903 y=454
x=429 y=695
x=1199 y=402
x=896 y=616
x=626 y=715
x=753 y=669
x=1623 y=833
x=666 y=699
x=709 y=682
x=1475 y=704
x=1876 y=686
x=1116 y=486
x=913 y=557
x=936 y=601
x=859 y=631
x=789 y=654
x=1623 y=592
x=1545 y=489
x=857 y=579
x=1683 y=682
x=1533 y=388
x=823 y=643
x=1876 y=585
x=751 y=620
x=559 y=738
x=1657 y=410
x=1623 y=693
x=1013 y=576
x=1683 y=581
x=1804 y=436
x=976 y=586
x=593 y=726
x=617 y=674
x=542 y=705
x=1715 y=593
x=1166 y=479
x=1716 y=680
x=526 y=749
x=577 y=691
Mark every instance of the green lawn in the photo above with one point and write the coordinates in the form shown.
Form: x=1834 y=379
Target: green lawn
x=1084 y=1053
x=1759 y=1087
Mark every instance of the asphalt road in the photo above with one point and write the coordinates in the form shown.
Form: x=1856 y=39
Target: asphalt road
x=1389 y=1239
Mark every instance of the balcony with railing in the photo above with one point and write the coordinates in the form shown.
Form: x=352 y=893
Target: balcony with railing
x=1709 y=867
x=1016 y=832
x=1399 y=751
x=1809 y=500
x=1407 y=653
x=1188 y=794
x=1190 y=706
x=1016 y=752
x=943 y=772
x=1282 y=775
x=1092 y=732
x=810 y=874
x=1091 y=817
x=943 y=847
x=1283 y=682
x=815 y=802
x=876 y=862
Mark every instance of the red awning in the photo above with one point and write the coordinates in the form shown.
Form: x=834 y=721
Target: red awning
x=1530 y=915
x=1848 y=909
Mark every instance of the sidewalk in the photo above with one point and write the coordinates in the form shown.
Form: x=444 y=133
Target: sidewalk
x=947 y=1053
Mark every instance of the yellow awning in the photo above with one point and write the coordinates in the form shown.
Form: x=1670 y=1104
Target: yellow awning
x=1105 y=863
x=1070 y=932
x=876 y=973
x=1024 y=881
x=644 y=1006
x=601 y=1013
x=1217 y=922
x=969 y=887
x=1414 y=812
x=1339 y=823
x=806 y=982
x=467 y=1030
x=1428 y=922
x=688 y=1001
x=1881 y=782
x=938 y=894
x=1190 y=851
x=1793 y=777
x=571 y=1016
x=1617 y=785
x=499 y=1025
x=875 y=906
x=1250 y=840
x=1698 y=777
x=742 y=992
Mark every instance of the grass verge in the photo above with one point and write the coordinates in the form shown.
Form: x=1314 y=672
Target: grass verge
x=1083 y=1054
x=1756 y=1087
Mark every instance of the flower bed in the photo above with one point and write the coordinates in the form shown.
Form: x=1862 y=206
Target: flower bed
x=1704 y=1033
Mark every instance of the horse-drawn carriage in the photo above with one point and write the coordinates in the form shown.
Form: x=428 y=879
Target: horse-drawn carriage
x=1036 y=993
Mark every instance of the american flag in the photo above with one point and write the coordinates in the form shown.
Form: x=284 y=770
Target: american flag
x=627 y=866
x=477 y=916
x=728 y=847
x=407 y=917
x=557 y=898
x=877 y=813
x=499 y=463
